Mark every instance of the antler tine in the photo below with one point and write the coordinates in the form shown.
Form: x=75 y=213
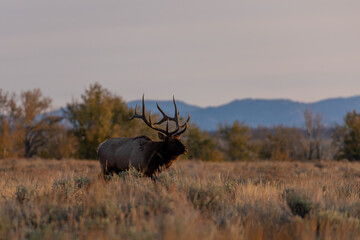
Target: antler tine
x=143 y=117
x=182 y=131
x=175 y=118
x=133 y=116
x=187 y=121
x=143 y=106
x=136 y=115
x=165 y=117
x=176 y=115
x=150 y=118
x=184 y=126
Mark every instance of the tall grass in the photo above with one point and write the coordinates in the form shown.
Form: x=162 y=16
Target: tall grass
x=42 y=199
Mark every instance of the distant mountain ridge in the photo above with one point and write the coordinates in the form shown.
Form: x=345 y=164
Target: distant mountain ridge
x=259 y=112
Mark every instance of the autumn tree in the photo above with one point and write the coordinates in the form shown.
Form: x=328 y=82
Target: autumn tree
x=99 y=115
x=36 y=120
x=201 y=145
x=347 y=137
x=235 y=139
x=10 y=142
x=61 y=143
x=313 y=130
x=25 y=123
x=282 y=144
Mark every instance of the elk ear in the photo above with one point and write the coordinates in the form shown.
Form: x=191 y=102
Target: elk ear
x=162 y=136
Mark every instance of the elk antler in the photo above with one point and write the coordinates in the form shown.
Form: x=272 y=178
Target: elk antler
x=175 y=119
x=165 y=118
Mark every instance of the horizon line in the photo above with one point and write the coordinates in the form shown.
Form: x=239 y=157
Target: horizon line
x=251 y=98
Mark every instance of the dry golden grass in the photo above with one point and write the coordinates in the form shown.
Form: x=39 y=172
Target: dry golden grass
x=49 y=199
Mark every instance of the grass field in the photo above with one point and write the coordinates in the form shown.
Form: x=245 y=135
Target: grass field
x=49 y=199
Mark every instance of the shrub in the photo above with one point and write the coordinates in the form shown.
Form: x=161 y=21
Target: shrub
x=298 y=204
x=21 y=194
x=208 y=198
x=132 y=172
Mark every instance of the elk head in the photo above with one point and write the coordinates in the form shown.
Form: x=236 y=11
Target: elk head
x=171 y=138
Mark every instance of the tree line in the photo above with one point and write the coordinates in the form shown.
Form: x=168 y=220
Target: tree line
x=29 y=128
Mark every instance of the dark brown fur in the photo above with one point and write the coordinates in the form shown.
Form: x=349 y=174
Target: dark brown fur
x=162 y=157
x=157 y=155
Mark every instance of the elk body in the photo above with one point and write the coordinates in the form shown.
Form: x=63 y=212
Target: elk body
x=142 y=153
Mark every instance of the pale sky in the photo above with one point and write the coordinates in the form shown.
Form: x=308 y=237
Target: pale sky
x=205 y=52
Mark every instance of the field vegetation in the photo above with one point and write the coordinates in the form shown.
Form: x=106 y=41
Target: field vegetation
x=52 y=199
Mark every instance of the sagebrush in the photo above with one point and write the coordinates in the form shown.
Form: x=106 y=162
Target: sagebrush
x=49 y=199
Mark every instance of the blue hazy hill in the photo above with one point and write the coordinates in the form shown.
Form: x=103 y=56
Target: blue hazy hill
x=259 y=112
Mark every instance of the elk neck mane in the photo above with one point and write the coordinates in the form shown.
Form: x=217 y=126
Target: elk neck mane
x=158 y=156
x=142 y=140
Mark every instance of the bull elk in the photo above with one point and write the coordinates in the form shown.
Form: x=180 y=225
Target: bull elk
x=142 y=153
